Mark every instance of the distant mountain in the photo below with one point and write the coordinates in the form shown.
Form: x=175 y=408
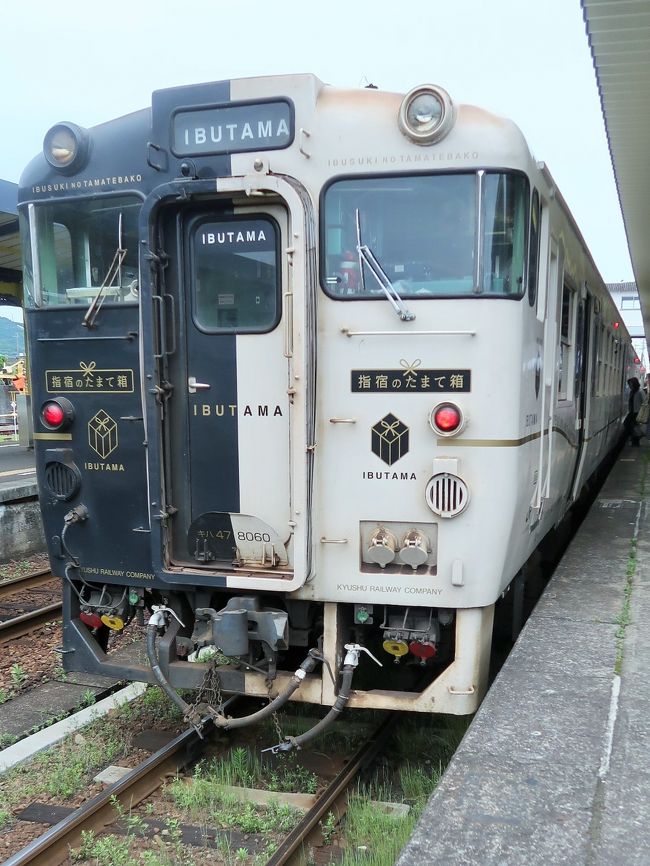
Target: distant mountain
x=12 y=338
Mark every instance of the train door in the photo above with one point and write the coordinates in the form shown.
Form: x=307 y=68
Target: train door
x=549 y=352
x=227 y=422
x=581 y=389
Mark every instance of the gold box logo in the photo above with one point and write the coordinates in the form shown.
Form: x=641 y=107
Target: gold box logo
x=102 y=434
x=390 y=439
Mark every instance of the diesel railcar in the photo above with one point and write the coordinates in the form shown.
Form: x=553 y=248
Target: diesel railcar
x=314 y=371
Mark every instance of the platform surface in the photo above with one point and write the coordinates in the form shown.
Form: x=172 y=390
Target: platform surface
x=555 y=767
x=17 y=472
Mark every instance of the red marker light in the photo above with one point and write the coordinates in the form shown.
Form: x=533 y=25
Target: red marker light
x=57 y=413
x=447 y=418
x=617 y=325
x=53 y=414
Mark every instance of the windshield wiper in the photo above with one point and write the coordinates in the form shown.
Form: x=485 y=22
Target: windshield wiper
x=114 y=270
x=366 y=255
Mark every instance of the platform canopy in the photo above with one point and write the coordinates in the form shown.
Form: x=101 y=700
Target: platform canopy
x=10 y=268
x=619 y=36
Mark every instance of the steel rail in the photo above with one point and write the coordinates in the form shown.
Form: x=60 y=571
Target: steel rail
x=22 y=625
x=27 y=581
x=53 y=847
x=290 y=851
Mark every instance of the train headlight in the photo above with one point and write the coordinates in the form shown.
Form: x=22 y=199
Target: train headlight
x=65 y=146
x=426 y=114
x=57 y=414
x=446 y=419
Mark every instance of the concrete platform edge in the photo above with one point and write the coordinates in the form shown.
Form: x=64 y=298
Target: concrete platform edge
x=27 y=748
x=554 y=768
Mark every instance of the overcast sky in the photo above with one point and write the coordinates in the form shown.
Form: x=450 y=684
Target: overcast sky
x=530 y=61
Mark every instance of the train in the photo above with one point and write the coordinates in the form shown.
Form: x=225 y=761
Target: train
x=314 y=372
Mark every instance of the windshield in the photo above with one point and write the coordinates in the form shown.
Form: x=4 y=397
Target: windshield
x=73 y=247
x=423 y=230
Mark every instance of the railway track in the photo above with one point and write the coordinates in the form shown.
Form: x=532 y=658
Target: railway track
x=53 y=847
x=290 y=851
x=24 y=623
x=27 y=622
x=27 y=581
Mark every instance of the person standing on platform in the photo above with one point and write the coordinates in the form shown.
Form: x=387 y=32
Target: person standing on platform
x=634 y=401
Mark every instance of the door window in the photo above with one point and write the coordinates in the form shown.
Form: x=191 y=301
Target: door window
x=567 y=326
x=236 y=275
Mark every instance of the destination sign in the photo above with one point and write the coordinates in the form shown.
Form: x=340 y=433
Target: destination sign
x=88 y=379
x=236 y=236
x=410 y=379
x=233 y=128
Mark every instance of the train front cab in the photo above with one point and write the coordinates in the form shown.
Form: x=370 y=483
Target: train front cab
x=299 y=452
x=351 y=433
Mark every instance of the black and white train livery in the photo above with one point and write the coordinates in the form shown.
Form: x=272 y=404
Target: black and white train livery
x=314 y=371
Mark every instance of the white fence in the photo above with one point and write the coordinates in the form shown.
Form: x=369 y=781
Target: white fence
x=9 y=422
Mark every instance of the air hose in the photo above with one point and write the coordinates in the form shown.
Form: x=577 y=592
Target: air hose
x=314 y=656
x=347 y=672
x=309 y=664
x=157 y=621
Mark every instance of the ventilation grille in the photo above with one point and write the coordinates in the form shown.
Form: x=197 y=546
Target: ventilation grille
x=61 y=480
x=447 y=495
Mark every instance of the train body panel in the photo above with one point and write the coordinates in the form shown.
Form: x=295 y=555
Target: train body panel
x=105 y=455
x=361 y=363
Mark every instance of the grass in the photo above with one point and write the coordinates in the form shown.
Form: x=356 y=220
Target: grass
x=422 y=748
x=243 y=767
x=436 y=737
x=417 y=782
x=87 y=699
x=155 y=701
x=277 y=817
x=59 y=674
x=204 y=799
x=422 y=745
x=106 y=851
x=67 y=768
x=128 y=850
x=18 y=675
x=374 y=838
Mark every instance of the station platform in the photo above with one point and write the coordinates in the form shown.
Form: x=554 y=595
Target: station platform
x=17 y=472
x=21 y=528
x=555 y=767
